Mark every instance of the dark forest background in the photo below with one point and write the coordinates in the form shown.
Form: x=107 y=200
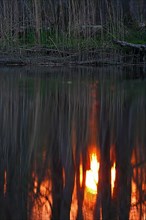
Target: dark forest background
x=29 y=22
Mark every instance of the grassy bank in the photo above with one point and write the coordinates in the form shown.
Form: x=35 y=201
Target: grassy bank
x=55 y=48
x=99 y=37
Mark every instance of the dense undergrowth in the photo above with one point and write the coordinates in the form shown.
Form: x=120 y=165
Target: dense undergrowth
x=61 y=41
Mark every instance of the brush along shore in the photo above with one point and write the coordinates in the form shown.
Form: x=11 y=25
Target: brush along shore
x=124 y=53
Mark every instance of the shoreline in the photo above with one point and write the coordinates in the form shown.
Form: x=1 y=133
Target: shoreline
x=42 y=56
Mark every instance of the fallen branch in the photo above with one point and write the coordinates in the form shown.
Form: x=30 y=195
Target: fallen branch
x=48 y=51
x=12 y=62
x=97 y=62
x=140 y=47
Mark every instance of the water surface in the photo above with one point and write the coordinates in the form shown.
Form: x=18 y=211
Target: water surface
x=53 y=122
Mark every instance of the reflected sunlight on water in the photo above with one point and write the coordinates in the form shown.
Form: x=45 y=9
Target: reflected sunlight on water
x=113 y=177
x=42 y=199
x=92 y=175
x=70 y=139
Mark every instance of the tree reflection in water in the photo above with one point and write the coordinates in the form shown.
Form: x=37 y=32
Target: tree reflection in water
x=53 y=126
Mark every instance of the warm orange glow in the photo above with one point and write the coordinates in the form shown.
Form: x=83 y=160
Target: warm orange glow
x=92 y=175
x=35 y=185
x=81 y=175
x=42 y=202
x=113 y=177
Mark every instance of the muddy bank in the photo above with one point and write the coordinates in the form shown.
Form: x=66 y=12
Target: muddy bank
x=52 y=57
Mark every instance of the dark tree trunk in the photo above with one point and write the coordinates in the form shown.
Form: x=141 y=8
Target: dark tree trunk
x=80 y=188
x=57 y=187
x=67 y=191
x=123 y=157
x=104 y=185
x=128 y=19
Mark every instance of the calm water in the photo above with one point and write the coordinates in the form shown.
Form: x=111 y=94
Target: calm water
x=73 y=143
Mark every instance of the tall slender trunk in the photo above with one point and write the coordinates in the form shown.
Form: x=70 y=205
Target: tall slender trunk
x=37 y=20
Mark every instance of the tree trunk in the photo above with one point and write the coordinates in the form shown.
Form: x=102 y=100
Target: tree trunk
x=37 y=20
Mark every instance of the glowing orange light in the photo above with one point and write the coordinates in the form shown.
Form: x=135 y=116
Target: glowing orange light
x=113 y=177
x=81 y=175
x=43 y=191
x=35 y=185
x=92 y=175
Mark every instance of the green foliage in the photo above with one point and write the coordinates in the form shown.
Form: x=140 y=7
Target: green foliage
x=27 y=38
x=136 y=36
x=80 y=41
x=61 y=41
